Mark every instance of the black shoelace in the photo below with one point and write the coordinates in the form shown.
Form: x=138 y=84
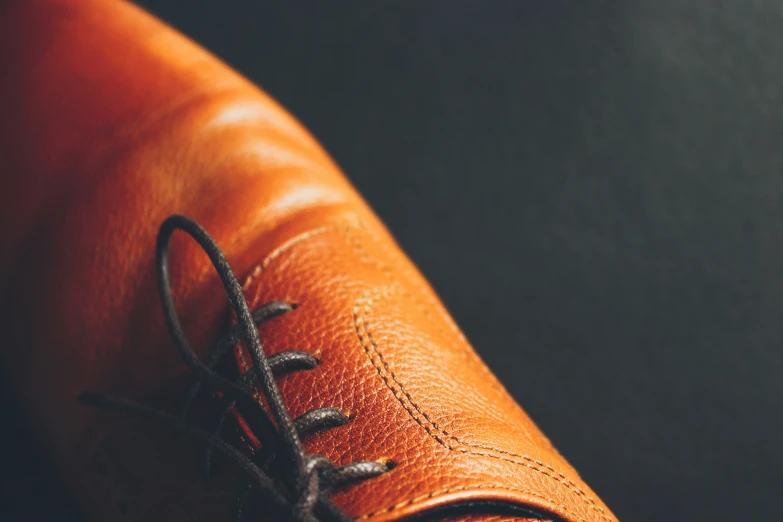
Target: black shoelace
x=282 y=473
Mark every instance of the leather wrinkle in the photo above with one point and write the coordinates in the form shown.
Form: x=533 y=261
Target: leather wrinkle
x=345 y=230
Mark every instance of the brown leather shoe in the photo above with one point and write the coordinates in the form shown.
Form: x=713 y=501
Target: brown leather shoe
x=355 y=397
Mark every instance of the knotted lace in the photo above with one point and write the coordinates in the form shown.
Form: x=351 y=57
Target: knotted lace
x=282 y=473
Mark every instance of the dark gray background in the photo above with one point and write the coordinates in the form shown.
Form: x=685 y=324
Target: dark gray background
x=596 y=191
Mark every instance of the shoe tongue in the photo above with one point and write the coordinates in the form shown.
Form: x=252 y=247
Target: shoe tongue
x=416 y=392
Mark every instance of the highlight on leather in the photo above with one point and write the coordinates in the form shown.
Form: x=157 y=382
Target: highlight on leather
x=331 y=384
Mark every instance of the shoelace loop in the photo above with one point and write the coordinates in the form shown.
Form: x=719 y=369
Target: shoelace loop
x=283 y=473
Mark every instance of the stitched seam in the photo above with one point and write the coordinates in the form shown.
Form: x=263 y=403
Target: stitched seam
x=385 y=372
x=560 y=476
x=442 y=492
x=360 y=324
x=268 y=260
x=344 y=230
x=364 y=256
x=391 y=255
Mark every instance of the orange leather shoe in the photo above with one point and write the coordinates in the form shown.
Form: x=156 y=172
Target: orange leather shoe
x=332 y=385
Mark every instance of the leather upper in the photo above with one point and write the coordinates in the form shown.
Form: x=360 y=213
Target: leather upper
x=113 y=121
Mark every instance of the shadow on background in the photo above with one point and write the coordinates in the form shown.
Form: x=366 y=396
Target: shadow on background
x=596 y=191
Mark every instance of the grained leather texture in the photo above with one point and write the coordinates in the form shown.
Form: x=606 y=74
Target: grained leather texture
x=418 y=396
x=112 y=121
